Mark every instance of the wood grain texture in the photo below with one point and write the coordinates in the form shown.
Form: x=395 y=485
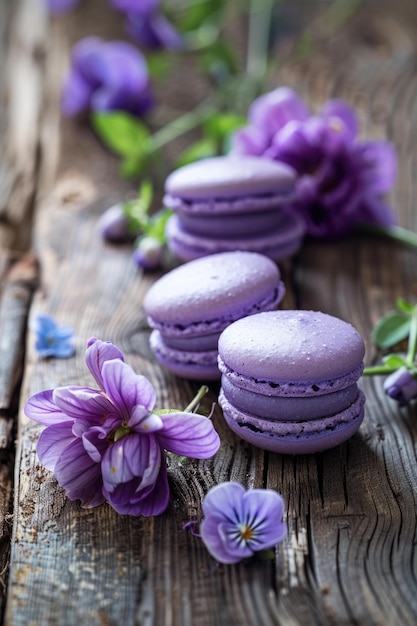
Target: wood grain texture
x=349 y=556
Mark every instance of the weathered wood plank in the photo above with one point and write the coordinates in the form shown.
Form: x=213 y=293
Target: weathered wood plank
x=348 y=557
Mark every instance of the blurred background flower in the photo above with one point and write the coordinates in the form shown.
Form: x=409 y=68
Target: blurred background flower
x=106 y=76
x=342 y=179
x=59 y=6
x=52 y=339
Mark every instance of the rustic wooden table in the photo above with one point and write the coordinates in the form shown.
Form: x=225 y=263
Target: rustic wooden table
x=349 y=556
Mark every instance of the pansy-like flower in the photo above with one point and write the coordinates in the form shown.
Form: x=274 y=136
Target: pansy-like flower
x=52 y=339
x=108 y=444
x=237 y=523
x=401 y=385
x=342 y=179
x=104 y=76
x=147 y=25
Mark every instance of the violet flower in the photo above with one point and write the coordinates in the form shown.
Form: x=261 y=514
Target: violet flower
x=52 y=339
x=147 y=25
x=401 y=385
x=106 y=75
x=342 y=179
x=109 y=443
x=238 y=523
x=59 y=6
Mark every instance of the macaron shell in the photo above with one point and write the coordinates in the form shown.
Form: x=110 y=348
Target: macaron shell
x=278 y=244
x=289 y=408
x=296 y=438
x=205 y=295
x=195 y=365
x=232 y=206
x=229 y=176
x=291 y=347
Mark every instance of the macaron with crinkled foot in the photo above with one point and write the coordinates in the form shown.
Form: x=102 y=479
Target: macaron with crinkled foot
x=191 y=305
x=289 y=380
x=231 y=203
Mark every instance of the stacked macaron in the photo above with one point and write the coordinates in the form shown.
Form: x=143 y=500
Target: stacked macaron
x=233 y=203
x=191 y=305
x=289 y=380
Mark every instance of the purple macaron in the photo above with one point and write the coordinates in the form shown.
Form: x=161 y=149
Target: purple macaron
x=289 y=380
x=233 y=203
x=190 y=306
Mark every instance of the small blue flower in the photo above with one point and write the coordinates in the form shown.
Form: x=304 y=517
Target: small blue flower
x=52 y=340
x=237 y=523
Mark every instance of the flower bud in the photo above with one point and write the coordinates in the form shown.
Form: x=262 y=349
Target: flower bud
x=401 y=385
x=148 y=253
x=114 y=225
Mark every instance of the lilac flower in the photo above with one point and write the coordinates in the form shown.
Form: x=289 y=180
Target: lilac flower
x=238 y=523
x=148 y=253
x=106 y=76
x=147 y=25
x=109 y=443
x=52 y=340
x=401 y=385
x=59 y=6
x=341 y=178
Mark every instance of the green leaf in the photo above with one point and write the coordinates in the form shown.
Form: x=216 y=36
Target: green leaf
x=125 y=134
x=156 y=226
x=197 y=13
x=219 y=60
x=138 y=210
x=404 y=306
x=223 y=124
x=391 y=329
x=134 y=165
x=199 y=150
x=394 y=361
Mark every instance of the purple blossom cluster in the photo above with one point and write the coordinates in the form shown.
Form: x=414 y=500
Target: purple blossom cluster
x=401 y=386
x=108 y=444
x=106 y=75
x=342 y=179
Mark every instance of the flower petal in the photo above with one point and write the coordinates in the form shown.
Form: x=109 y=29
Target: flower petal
x=141 y=421
x=95 y=443
x=339 y=109
x=213 y=539
x=133 y=456
x=379 y=165
x=272 y=111
x=83 y=403
x=79 y=475
x=224 y=502
x=263 y=510
x=127 y=389
x=98 y=352
x=149 y=502
x=188 y=434
x=42 y=408
x=250 y=140
x=52 y=443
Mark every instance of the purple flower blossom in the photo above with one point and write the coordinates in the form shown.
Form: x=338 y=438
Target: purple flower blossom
x=106 y=76
x=238 y=523
x=147 y=25
x=52 y=340
x=59 y=6
x=140 y=7
x=401 y=385
x=108 y=443
x=115 y=226
x=341 y=178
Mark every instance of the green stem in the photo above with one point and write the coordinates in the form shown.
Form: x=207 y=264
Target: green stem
x=395 y=233
x=375 y=370
x=412 y=338
x=260 y=18
x=196 y=400
x=182 y=125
